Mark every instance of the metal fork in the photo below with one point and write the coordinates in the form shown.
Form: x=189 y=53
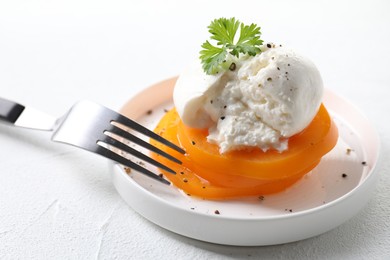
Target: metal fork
x=95 y=128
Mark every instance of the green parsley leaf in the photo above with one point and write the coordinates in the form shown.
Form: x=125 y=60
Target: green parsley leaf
x=212 y=57
x=224 y=31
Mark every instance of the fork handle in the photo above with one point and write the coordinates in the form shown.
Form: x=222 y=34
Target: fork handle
x=9 y=110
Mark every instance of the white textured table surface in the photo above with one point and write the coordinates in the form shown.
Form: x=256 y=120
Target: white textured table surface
x=57 y=202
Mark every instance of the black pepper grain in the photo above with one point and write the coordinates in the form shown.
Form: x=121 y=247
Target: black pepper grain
x=193 y=142
x=344 y=175
x=222 y=117
x=364 y=163
x=141 y=163
x=269 y=45
x=149 y=112
x=269 y=79
x=232 y=67
x=217 y=212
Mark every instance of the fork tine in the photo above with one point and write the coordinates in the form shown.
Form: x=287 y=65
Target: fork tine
x=139 y=128
x=116 y=157
x=122 y=133
x=111 y=141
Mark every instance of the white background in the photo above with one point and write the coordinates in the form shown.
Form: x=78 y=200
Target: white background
x=57 y=202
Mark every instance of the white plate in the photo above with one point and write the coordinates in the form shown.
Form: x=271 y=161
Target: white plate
x=320 y=201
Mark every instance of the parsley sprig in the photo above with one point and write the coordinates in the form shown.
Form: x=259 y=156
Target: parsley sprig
x=224 y=31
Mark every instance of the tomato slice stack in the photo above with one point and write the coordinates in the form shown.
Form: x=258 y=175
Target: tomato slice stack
x=208 y=174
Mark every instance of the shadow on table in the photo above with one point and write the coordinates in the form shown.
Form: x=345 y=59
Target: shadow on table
x=39 y=140
x=354 y=239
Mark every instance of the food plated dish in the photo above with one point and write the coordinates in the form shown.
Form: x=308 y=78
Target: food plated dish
x=315 y=204
x=286 y=168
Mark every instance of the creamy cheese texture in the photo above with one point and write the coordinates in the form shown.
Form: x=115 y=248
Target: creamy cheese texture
x=265 y=100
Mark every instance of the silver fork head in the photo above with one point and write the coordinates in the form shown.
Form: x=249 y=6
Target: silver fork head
x=95 y=128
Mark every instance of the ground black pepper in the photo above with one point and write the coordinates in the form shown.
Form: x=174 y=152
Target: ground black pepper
x=232 y=67
x=141 y=163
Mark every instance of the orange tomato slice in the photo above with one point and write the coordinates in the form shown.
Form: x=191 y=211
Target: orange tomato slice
x=208 y=174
